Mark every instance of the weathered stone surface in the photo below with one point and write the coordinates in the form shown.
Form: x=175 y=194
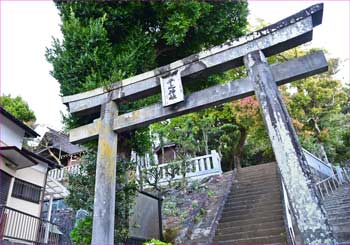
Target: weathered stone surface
x=295 y=172
x=285 y=34
x=283 y=73
x=104 y=200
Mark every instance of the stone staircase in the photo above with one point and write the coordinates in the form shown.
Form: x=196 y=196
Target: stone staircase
x=253 y=212
x=337 y=206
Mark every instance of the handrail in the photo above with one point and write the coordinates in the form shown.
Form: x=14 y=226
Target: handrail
x=329 y=185
x=346 y=172
x=288 y=212
x=326 y=179
x=316 y=158
x=21 y=212
x=20 y=226
x=61 y=174
x=317 y=164
x=197 y=167
x=187 y=160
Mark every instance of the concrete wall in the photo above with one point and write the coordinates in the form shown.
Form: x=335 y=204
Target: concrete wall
x=10 y=133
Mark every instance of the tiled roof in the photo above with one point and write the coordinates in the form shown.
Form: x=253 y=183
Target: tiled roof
x=60 y=141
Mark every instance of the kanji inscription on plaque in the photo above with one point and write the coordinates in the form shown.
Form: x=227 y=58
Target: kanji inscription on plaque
x=172 y=90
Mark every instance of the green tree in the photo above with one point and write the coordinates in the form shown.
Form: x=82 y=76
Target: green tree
x=82 y=187
x=108 y=41
x=18 y=108
x=317 y=105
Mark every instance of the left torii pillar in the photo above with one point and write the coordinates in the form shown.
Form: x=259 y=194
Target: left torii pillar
x=104 y=201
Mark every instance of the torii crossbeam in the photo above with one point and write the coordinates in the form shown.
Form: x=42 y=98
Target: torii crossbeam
x=262 y=80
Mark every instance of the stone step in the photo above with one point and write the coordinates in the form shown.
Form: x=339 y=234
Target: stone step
x=247 y=206
x=251 y=209
x=257 y=179
x=243 y=228
x=337 y=201
x=336 y=195
x=243 y=193
x=260 y=173
x=341 y=227
x=336 y=220
x=340 y=207
x=252 y=221
x=252 y=188
x=336 y=205
x=255 y=185
x=257 y=167
x=342 y=236
x=249 y=234
x=251 y=215
x=341 y=190
x=343 y=198
x=335 y=198
x=259 y=200
x=339 y=212
x=279 y=239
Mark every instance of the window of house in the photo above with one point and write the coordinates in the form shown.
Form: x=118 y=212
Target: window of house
x=5 y=181
x=26 y=191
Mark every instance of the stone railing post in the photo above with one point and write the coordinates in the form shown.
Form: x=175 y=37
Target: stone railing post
x=216 y=160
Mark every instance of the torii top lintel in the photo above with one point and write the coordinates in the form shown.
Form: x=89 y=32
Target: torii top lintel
x=283 y=35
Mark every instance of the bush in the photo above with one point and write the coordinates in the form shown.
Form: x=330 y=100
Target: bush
x=82 y=232
x=155 y=241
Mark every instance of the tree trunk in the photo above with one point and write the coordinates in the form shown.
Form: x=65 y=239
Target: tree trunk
x=205 y=138
x=238 y=151
x=236 y=161
x=323 y=153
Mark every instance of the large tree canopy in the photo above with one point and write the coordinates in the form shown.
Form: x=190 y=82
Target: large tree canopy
x=108 y=41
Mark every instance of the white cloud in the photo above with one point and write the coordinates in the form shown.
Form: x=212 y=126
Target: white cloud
x=27 y=28
x=333 y=34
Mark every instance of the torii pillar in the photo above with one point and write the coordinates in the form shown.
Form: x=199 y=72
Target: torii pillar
x=104 y=200
x=310 y=216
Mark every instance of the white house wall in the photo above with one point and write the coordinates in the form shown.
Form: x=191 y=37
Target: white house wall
x=35 y=175
x=31 y=175
x=10 y=133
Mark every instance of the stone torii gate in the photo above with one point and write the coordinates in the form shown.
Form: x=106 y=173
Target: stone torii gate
x=263 y=79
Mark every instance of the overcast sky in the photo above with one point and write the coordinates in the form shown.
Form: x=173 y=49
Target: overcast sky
x=27 y=28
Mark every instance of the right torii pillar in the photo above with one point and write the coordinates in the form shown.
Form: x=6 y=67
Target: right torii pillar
x=310 y=216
